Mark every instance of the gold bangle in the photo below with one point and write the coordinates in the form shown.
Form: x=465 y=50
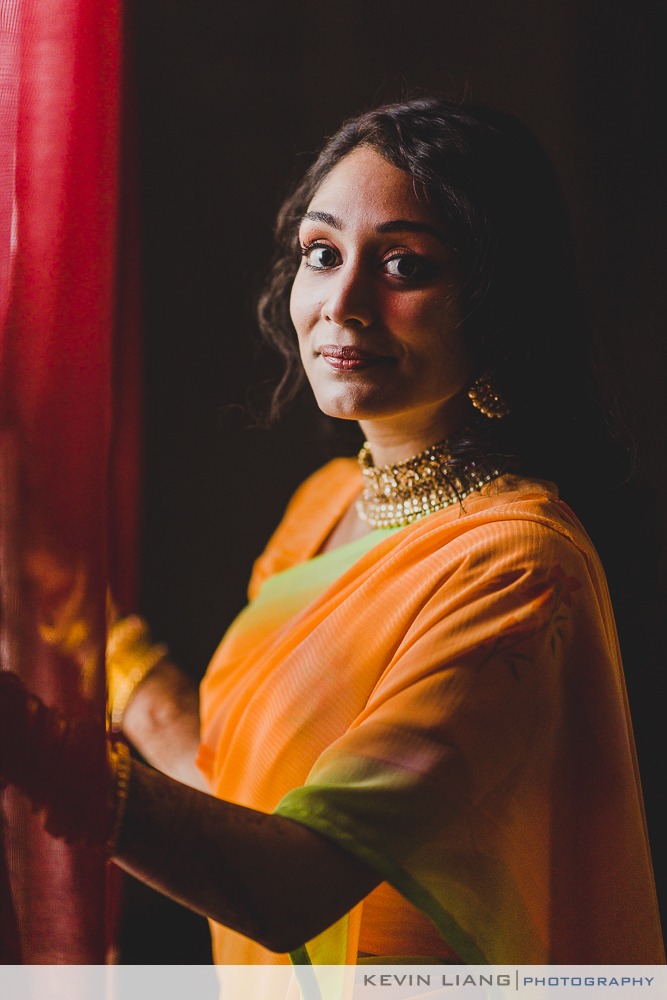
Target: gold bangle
x=130 y=655
x=120 y=767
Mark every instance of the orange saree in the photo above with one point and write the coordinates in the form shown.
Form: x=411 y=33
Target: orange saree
x=445 y=701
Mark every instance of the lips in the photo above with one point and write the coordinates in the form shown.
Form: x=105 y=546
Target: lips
x=349 y=359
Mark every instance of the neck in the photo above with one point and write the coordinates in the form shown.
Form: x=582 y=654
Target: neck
x=397 y=438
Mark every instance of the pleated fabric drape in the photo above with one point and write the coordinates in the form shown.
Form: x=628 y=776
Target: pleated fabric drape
x=69 y=423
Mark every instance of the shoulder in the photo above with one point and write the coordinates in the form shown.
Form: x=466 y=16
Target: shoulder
x=533 y=538
x=504 y=573
x=539 y=534
x=511 y=539
x=510 y=515
x=313 y=510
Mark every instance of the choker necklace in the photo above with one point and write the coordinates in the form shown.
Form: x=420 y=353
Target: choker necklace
x=396 y=495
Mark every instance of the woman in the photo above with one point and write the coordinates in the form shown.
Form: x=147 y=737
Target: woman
x=416 y=734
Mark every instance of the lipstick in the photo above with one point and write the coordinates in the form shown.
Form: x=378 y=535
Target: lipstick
x=349 y=359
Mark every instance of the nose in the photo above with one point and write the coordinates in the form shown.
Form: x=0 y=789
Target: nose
x=349 y=300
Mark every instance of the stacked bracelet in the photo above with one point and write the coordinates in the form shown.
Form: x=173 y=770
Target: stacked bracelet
x=120 y=765
x=130 y=655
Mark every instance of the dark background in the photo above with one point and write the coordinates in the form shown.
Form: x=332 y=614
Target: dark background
x=232 y=96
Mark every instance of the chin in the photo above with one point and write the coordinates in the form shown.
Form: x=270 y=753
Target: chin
x=369 y=395
x=352 y=405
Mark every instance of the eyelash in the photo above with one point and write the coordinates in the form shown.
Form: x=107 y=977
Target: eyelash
x=316 y=244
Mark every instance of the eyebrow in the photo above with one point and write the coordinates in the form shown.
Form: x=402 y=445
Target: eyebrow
x=407 y=226
x=326 y=217
x=393 y=226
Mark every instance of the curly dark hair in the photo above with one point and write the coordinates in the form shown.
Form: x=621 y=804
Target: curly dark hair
x=495 y=189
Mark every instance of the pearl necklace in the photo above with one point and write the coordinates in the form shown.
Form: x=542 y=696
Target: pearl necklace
x=396 y=495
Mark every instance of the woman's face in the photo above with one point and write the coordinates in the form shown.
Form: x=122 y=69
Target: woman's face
x=375 y=302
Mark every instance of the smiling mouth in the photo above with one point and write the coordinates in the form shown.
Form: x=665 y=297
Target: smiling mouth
x=350 y=359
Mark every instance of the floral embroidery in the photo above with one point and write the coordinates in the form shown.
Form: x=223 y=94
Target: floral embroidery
x=546 y=616
x=568 y=584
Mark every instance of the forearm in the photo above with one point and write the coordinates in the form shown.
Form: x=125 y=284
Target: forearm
x=162 y=721
x=259 y=874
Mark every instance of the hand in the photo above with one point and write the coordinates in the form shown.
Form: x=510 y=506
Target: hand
x=60 y=765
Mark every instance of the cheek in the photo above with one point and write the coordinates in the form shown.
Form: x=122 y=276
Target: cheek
x=422 y=319
x=303 y=306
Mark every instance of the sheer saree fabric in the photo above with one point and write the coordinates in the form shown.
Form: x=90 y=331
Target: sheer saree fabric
x=450 y=708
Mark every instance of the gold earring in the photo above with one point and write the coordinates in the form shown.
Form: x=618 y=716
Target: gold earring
x=485 y=396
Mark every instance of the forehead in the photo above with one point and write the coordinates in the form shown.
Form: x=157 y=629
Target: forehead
x=364 y=185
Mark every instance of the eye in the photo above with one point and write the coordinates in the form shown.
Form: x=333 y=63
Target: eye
x=320 y=256
x=406 y=265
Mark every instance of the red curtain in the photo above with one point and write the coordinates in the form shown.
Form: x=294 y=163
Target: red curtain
x=68 y=421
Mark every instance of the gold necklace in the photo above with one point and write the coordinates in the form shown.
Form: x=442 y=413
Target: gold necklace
x=396 y=495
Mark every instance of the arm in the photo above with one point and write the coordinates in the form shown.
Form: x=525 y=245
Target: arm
x=153 y=703
x=162 y=721
x=262 y=875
